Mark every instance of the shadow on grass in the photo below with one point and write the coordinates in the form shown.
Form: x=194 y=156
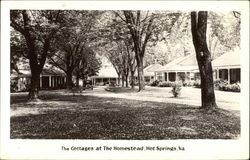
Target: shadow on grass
x=121 y=90
x=89 y=117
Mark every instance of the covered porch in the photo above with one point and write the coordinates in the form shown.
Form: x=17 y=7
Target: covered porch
x=101 y=81
x=232 y=75
x=172 y=76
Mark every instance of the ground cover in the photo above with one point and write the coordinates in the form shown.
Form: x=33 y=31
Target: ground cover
x=63 y=116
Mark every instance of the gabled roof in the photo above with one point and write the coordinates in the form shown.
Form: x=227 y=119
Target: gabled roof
x=227 y=60
x=186 y=63
x=149 y=70
x=46 y=71
x=107 y=71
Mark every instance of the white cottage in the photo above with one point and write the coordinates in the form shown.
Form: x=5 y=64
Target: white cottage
x=182 y=68
x=227 y=67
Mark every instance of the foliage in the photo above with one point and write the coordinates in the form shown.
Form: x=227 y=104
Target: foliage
x=224 y=86
x=188 y=83
x=176 y=89
x=38 y=28
x=13 y=85
x=197 y=83
x=234 y=87
x=73 y=51
x=88 y=65
x=166 y=84
x=154 y=83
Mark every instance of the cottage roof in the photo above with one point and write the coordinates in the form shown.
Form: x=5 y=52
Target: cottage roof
x=45 y=71
x=187 y=63
x=107 y=71
x=149 y=70
x=230 y=59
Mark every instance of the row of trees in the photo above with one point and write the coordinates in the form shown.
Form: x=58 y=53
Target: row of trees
x=61 y=38
x=130 y=40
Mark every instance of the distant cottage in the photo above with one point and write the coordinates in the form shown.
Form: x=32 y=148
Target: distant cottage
x=49 y=79
x=106 y=75
x=225 y=67
x=182 y=68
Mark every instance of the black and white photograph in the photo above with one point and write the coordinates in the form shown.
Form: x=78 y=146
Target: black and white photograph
x=129 y=75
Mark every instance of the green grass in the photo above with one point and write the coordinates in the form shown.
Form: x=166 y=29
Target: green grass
x=62 y=116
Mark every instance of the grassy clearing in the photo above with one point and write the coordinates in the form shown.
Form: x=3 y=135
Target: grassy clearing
x=61 y=116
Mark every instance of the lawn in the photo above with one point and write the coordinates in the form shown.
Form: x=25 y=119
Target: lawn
x=62 y=116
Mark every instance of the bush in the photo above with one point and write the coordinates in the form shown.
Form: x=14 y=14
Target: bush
x=176 y=89
x=197 y=83
x=154 y=83
x=224 y=86
x=235 y=87
x=165 y=84
x=188 y=83
x=13 y=86
x=221 y=85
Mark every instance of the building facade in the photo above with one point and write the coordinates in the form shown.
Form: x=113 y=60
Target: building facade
x=180 y=69
x=107 y=75
x=49 y=79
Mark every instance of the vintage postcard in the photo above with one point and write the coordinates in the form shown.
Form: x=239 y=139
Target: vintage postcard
x=124 y=80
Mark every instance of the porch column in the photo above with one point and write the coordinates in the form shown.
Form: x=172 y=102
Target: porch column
x=52 y=81
x=40 y=81
x=217 y=74
x=49 y=81
x=56 y=81
x=109 y=81
x=167 y=76
x=228 y=75
x=175 y=76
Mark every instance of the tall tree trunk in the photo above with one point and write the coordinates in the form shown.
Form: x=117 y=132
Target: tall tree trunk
x=132 y=79
x=203 y=56
x=140 y=74
x=122 y=80
x=126 y=79
x=35 y=71
x=34 y=86
x=69 y=80
x=77 y=80
x=119 y=79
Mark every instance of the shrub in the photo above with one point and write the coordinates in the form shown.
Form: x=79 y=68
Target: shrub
x=235 y=87
x=176 y=89
x=197 y=83
x=13 y=86
x=224 y=86
x=165 y=84
x=155 y=83
x=188 y=83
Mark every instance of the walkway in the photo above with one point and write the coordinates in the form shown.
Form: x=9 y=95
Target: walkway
x=189 y=95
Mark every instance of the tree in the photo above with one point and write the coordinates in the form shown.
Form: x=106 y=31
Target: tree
x=18 y=50
x=38 y=29
x=72 y=42
x=146 y=27
x=223 y=32
x=141 y=30
x=114 y=53
x=88 y=65
x=131 y=63
x=203 y=56
x=116 y=43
